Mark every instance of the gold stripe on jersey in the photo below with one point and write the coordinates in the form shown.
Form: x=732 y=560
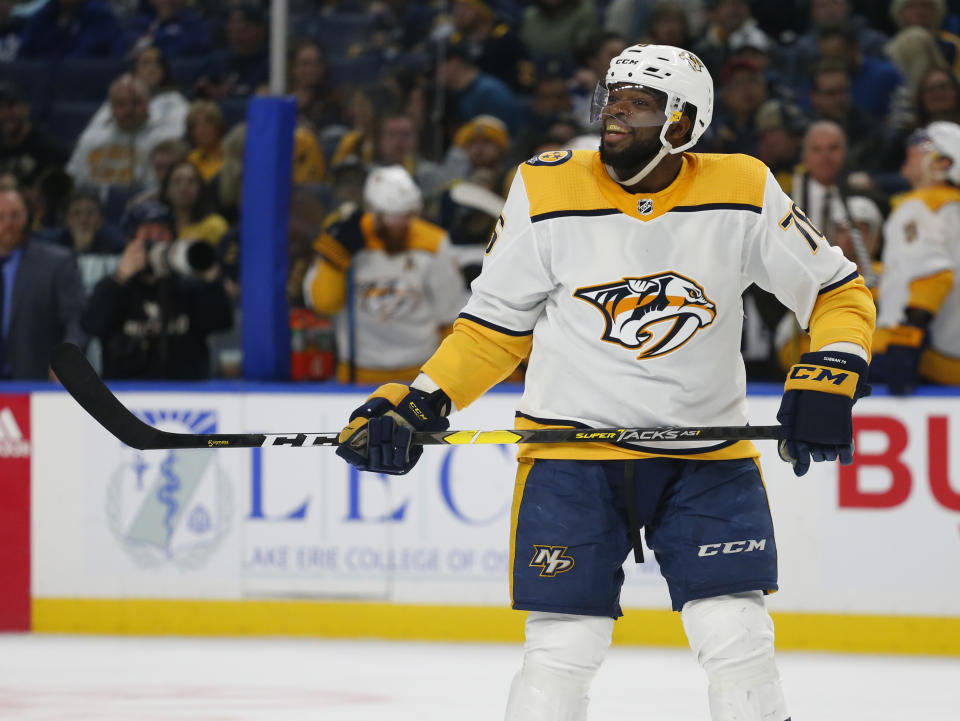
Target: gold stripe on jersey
x=928 y=293
x=844 y=315
x=582 y=185
x=523 y=470
x=474 y=358
x=934 y=197
x=610 y=452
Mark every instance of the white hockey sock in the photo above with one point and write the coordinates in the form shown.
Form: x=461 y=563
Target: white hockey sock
x=732 y=638
x=562 y=653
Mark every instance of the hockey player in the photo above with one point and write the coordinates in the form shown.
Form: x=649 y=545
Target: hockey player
x=918 y=331
x=620 y=273
x=390 y=277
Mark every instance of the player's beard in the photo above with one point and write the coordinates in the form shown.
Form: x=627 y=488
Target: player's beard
x=631 y=160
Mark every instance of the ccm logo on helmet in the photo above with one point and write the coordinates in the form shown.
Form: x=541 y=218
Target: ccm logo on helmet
x=626 y=61
x=712 y=549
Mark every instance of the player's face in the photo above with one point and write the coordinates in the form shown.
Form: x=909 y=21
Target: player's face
x=630 y=128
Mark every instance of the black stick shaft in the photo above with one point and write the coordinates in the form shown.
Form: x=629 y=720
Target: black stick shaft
x=82 y=382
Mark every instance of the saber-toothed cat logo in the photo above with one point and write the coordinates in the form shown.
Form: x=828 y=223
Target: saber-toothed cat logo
x=655 y=313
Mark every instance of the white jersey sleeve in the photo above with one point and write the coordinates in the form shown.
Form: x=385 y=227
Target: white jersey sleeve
x=511 y=291
x=789 y=256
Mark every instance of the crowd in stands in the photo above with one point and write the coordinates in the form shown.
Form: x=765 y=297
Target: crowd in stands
x=113 y=112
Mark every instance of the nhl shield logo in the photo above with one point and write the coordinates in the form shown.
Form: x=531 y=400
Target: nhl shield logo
x=645 y=206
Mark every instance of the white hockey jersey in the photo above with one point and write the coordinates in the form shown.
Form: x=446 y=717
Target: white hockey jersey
x=630 y=304
x=921 y=249
x=399 y=302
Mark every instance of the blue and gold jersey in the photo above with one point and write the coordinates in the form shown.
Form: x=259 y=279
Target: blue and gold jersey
x=629 y=305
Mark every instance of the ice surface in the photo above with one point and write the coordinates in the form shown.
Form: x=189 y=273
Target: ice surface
x=95 y=678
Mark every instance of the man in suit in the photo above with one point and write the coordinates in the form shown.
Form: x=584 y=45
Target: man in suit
x=41 y=296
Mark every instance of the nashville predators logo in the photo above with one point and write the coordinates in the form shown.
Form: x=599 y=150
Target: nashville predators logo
x=550 y=560
x=655 y=313
x=551 y=157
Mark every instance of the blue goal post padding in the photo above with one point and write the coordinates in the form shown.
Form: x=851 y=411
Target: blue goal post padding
x=264 y=218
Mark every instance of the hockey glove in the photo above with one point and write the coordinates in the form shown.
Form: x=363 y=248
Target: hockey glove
x=379 y=434
x=902 y=357
x=816 y=412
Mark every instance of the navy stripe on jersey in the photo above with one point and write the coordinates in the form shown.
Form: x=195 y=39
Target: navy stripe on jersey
x=581 y=213
x=716 y=206
x=629 y=446
x=494 y=326
x=843 y=281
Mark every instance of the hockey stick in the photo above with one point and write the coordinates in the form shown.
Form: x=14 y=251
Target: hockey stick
x=82 y=382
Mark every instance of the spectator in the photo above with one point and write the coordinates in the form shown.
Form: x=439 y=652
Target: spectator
x=40 y=296
x=25 y=150
x=728 y=19
x=244 y=66
x=176 y=30
x=832 y=15
x=153 y=320
x=780 y=127
x=552 y=101
x=228 y=184
x=347 y=180
x=308 y=167
x=359 y=141
x=406 y=286
x=593 y=58
x=85 y=230
x=494 y=46
x=481 y=144
x=205 y=130
x=473 y=92
x=397 y=144
x=11 y=28
x=163 y=156
x=669 y=24
x=914 y=52
x=557 y=27
x=919 y=311
x=166 y=101
x=183 y=192
x=318 y=104
x=938 y=97
x=928 y=14
x=117 y=153
x=819 y=184
x=831 y=99
x=873 y=80
x=72 y=29
x=634 y=18
x=742 y=91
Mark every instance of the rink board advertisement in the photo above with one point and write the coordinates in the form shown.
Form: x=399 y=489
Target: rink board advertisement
x=881 y=537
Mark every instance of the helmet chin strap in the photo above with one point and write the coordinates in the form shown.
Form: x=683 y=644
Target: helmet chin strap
x=627 y=182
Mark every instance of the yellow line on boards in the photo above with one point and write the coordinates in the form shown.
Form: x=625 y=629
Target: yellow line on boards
x=336 y=619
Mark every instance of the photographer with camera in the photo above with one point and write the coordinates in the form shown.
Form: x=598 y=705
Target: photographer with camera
x=153 y=315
